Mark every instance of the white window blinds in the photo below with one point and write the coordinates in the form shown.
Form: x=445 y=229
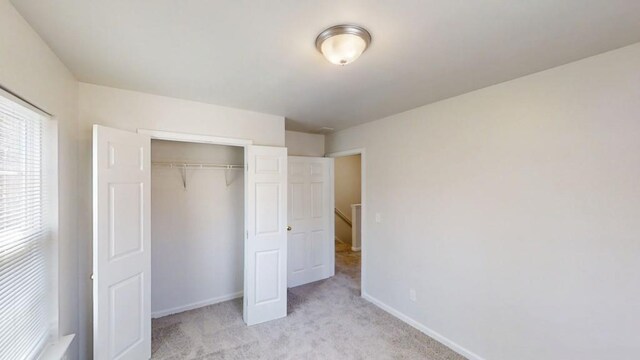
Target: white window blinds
x=24 y=260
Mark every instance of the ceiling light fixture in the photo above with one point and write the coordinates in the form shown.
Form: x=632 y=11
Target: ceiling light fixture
x=343 y=44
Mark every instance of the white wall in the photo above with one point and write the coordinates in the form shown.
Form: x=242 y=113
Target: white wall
x=304 y=144
x=196 y=232
x=130 y=110
x=347 y=179
x=30 y=69
x=513 y=211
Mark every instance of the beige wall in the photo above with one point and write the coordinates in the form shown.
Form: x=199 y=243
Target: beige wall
x=513 y=212
x=130 y=110
x=347 y=192
x=30 y=69
x=304 y=144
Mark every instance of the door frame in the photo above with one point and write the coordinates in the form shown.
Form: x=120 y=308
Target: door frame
x=214 y=140
x=194 y=138
x=363 y=215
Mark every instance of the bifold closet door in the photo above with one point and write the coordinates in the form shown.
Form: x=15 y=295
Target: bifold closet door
x=311 y=239
x=121 y=245
x=265 y=270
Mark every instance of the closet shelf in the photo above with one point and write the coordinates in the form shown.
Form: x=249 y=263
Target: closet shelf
x=184 y=165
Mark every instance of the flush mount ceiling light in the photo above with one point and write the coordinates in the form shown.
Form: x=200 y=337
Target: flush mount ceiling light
x=343 y=44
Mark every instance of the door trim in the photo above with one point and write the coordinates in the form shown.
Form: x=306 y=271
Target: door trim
x=363 y=200
x=194 y=138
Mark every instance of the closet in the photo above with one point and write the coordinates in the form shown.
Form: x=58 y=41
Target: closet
x=183 y=226
x=197 y=225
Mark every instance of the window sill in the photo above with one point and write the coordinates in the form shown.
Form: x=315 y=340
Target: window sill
x=58 y=350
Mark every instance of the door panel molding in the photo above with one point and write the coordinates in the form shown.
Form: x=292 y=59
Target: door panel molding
x=121 y=244
x=311 y=218
x=265 y=274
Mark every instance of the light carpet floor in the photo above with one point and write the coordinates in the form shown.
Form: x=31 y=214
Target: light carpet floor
x=326 y=320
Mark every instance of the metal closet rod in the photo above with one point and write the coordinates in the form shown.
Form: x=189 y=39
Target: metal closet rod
x=184 y=165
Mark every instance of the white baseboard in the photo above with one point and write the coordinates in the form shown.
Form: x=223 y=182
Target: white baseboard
x=355 y=248
x=195 y=305
x=338 y=239
x=423 y=328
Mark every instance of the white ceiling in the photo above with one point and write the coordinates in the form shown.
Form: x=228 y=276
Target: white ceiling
x=260 y=55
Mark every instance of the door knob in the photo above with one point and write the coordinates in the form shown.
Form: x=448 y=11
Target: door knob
x=289 y=228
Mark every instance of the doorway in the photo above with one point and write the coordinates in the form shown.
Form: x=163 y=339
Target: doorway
x=349 y=216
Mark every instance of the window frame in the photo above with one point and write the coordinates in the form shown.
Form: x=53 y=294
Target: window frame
x=49 y=186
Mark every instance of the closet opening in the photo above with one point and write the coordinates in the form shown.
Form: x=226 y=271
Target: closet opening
x=197 y=241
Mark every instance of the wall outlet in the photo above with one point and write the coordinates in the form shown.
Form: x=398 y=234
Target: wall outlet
x=412 y=295
x=378 y=218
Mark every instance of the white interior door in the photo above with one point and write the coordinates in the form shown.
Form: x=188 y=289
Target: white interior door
x=311 y=239
x=265 y=258
x=121 y=240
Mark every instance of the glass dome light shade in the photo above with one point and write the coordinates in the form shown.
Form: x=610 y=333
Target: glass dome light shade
x=343 y=49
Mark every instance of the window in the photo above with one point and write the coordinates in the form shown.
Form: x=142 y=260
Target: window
x=25 y=261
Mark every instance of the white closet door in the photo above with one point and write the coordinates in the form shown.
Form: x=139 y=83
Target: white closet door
x=311 y=239
x=121 y=240
x=265 y=261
